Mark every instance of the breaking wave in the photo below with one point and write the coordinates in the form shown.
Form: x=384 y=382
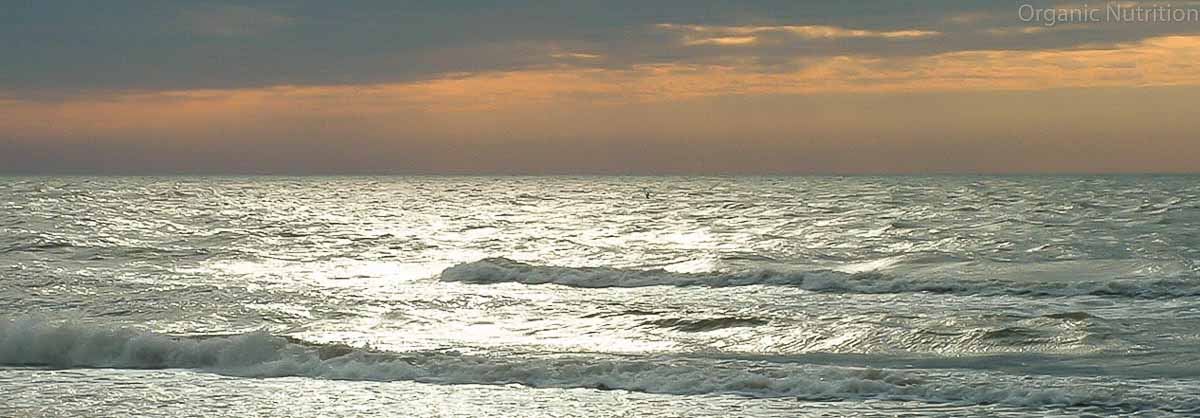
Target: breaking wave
x=30 y=342
x=503 y=270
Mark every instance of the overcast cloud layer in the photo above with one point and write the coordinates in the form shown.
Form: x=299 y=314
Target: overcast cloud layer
x=595 y=87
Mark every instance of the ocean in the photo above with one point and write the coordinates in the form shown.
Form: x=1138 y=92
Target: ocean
x=600 y=296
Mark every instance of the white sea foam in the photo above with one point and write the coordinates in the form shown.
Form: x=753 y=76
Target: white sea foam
x=502 y=270
x=65 y=345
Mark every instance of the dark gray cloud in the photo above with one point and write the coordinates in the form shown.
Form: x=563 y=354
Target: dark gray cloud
x=63 y=47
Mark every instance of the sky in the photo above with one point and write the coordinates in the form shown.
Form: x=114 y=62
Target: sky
x=598 y=87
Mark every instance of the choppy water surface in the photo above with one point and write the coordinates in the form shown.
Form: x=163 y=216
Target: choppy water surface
x=599 y=296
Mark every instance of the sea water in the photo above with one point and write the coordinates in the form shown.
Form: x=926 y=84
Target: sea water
x=600 y=296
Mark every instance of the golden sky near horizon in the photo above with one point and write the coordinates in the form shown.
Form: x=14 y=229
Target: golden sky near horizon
x=786 y=97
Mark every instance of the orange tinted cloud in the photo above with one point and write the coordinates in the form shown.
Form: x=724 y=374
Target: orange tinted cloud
x=722 y=40
x=801 y=31
x=1171 y=60
x=746 y=35
x=429 y=106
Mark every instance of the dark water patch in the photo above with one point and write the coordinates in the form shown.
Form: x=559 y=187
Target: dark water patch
x=635 y=312
x=1072 y=316
x=705 y=325
x=38 y=246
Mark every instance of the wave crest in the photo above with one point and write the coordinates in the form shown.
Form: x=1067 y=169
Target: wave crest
x=31 y=342
x=503 y=270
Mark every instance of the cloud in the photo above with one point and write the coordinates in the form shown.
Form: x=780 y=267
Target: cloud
x=1022 y=30
x=320 y=43
x=1163 y=61
x=745 y=35
x=576 y=55
x=991 y=110
x=232 y=21
x=968 y=17
x=808 y=32
x=514 y=86
x=722 y=40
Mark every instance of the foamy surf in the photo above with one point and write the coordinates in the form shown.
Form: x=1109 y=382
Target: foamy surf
x=503 y=270
x=31 y=342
